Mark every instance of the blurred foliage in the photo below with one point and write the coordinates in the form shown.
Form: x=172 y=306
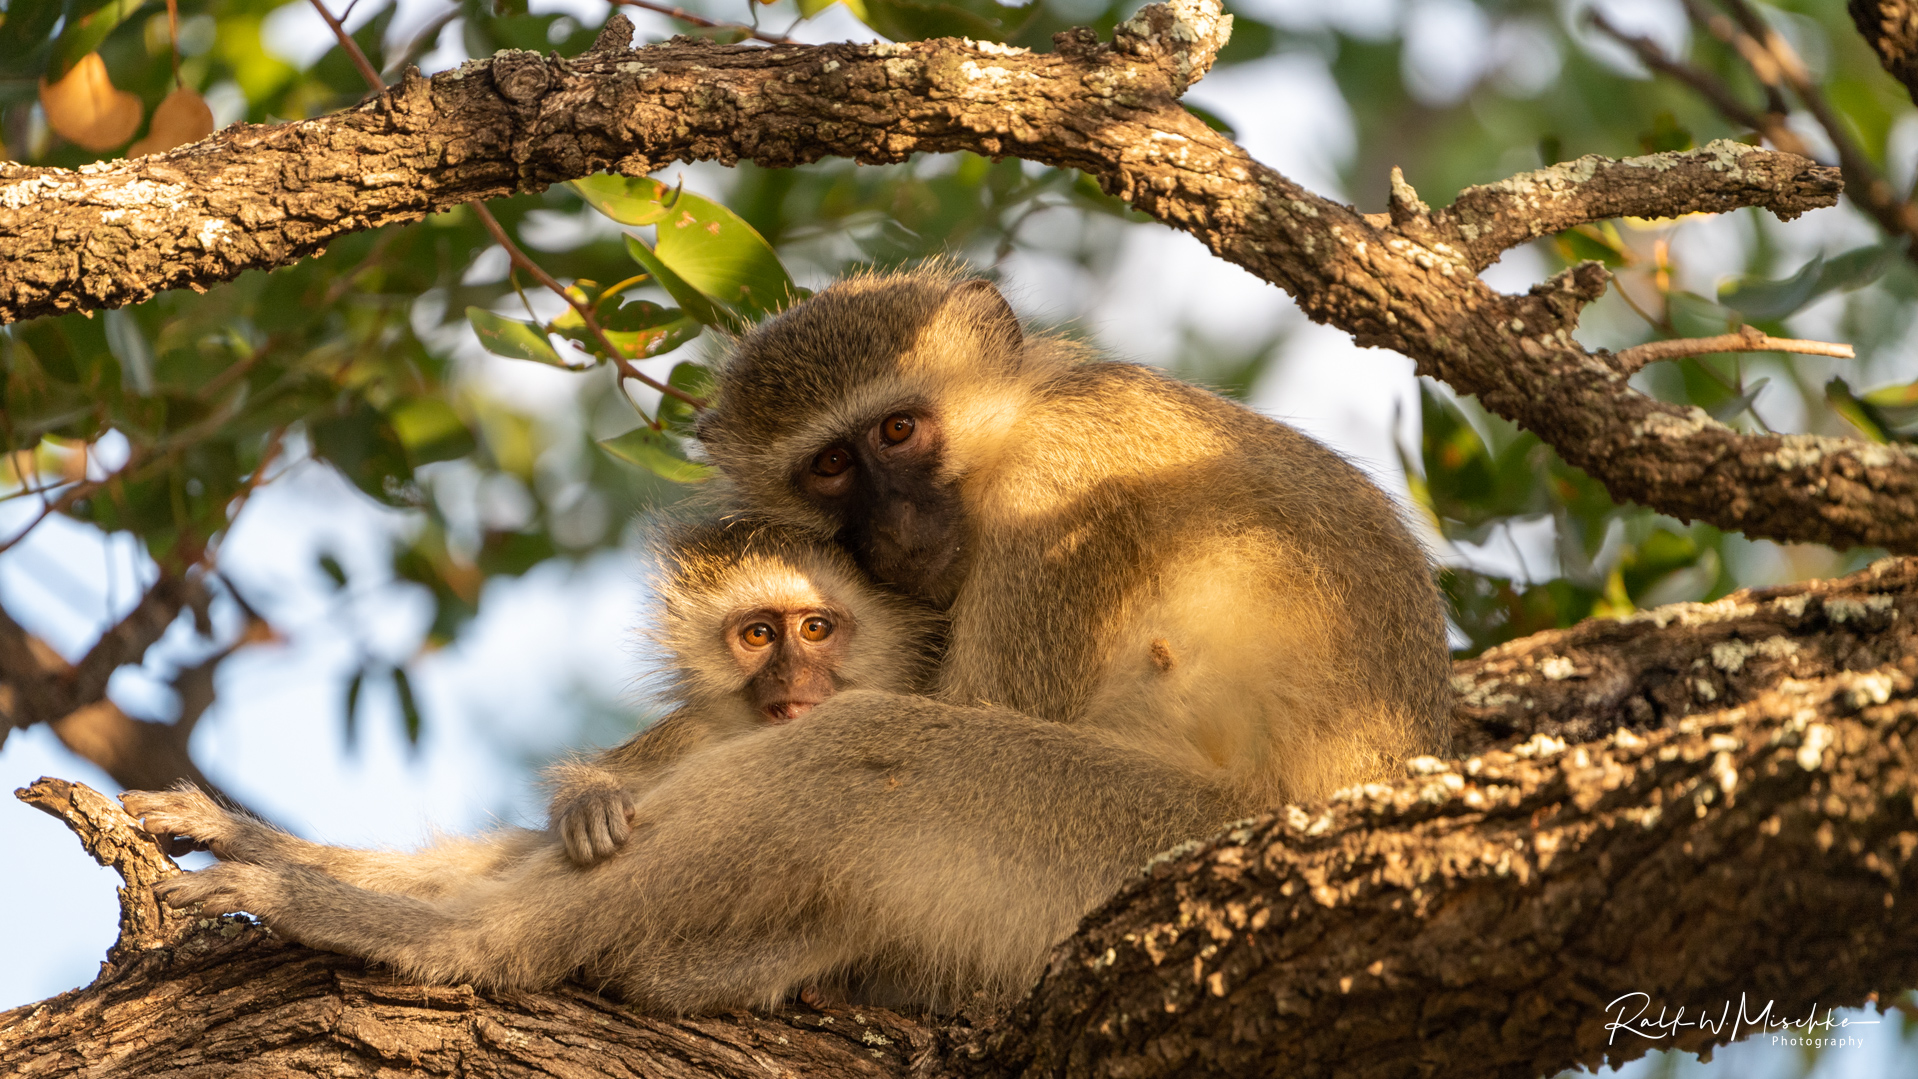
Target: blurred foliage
x=396 y=358
x=367 y=359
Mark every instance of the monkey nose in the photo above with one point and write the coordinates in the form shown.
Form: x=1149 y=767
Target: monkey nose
x=789 y=711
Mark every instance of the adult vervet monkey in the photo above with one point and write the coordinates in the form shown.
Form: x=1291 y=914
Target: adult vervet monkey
x=1115 y=548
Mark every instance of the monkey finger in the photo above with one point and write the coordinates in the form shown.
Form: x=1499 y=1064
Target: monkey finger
x=572 y=836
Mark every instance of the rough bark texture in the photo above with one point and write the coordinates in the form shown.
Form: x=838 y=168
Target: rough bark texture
x=257 y=197
x=1472 y=919
x=1891 y=28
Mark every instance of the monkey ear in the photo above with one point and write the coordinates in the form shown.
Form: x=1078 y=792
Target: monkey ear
x=989 y=312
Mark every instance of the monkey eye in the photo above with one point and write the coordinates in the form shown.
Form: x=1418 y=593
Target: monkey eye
x=896 y=428
x=832 y=461
x=815 y=629
x=758 y=635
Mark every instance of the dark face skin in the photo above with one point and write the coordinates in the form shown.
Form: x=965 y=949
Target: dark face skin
x=789 y=658
x=899 y=518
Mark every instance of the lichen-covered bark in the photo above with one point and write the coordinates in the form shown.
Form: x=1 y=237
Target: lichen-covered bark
x=255 y=197
x=1472 y=919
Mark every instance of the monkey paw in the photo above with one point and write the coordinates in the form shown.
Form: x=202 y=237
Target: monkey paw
x=595 y=825
x=187 y=815
x=226 y=888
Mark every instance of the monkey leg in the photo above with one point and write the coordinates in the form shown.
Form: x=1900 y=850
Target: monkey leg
x=894 y=841
x=520 y=930
x=187 y=812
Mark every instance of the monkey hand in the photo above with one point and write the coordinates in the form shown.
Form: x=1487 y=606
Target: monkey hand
x=225 y=888
x=594 y=821
x=186 y=819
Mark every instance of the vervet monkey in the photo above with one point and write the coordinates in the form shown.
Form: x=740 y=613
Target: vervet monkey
x=1115 y=548
x=1164 y=612
x=752 y=625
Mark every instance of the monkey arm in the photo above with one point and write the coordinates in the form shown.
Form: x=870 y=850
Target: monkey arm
x=591 y=805
x=235 y=837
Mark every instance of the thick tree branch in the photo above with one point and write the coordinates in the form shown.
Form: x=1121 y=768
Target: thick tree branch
x=1753 y=839
x=257 y=197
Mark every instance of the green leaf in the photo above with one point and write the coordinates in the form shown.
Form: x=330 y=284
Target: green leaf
x=1858 y=413
x=1693 y=315
x=1665 y=135
x=656 y=453
x=83 y=33
x=692 y=380
x=333 y=570
x=715 y=251
x=695 y=303
x=639 y=330
x=512 y=338
x=1763 y=300
x=409 y=707
x=916 y=20
x=1725 y=410
x=1599 y=242
x=430 y=430
x=626 y=199
x=702 y=248
x=353 y=706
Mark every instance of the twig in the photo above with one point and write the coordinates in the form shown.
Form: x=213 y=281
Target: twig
x=618 y=358
x=1710 y=87
x=352 y=48
x=1776 y=63
x=1746 y=339
x=700 y=20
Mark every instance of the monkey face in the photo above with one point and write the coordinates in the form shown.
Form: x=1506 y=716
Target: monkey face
x=791 y=657
x=899 y=512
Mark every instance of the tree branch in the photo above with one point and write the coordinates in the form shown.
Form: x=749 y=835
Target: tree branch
x=1747 y=339
x=1891 y=28
x=1752 y=840
x=255 y=197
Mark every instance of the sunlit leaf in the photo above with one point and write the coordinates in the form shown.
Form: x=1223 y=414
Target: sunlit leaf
x=1600 y=242
x=512 y=338
x=86 y=110
x=1857 y=413
x=656 y=453
x=628 y=200
x=180 y=118
x=695 y=303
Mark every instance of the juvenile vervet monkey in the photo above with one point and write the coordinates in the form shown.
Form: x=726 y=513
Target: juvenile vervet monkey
x=1164 y=611
x=1115 y=548
x=752 y=625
